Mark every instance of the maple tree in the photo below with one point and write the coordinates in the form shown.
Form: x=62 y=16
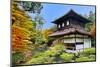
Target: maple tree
x=22 y=27
x=20 y=39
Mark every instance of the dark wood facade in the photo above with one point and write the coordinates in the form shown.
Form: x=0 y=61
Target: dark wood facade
x=71 y=21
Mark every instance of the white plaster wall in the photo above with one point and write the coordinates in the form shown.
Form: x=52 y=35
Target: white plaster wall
x=79 y=40
x=87 y=43
x=79 y=46
x=71 y=40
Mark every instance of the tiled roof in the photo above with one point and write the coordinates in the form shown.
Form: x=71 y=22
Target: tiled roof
x=69 y=31
x=71 y=14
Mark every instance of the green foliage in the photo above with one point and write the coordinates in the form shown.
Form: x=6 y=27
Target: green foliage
x=46 y=34
x=33 y=7
x=56 y=54
x=92 y=57
x=67 y=57
x=82 y=59
x=87 y=55
x=41 y=59
x=39 y=39
x=29 y=25
x=91 y=16
x=55 y=50
x=47 y=56
x=88 y=26
x=17 y=57
x=89 y=51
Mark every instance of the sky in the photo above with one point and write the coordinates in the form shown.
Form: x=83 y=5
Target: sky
x=52 y=11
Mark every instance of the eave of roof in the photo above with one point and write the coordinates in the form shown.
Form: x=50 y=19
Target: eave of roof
x=70 y=31
x=68 y=16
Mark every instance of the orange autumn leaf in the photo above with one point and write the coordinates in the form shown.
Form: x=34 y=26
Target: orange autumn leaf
x=20 y=37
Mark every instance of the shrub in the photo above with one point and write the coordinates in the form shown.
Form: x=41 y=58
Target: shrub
x=47 y=56
x=17 y=58
x=89 y=51
x=87 y=55
x=92 y=57
x=41 y=59
x=83 y=59
x=67 y=57
x=55 y=50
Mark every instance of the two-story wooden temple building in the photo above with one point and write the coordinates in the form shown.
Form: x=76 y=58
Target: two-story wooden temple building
x=71 y=32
